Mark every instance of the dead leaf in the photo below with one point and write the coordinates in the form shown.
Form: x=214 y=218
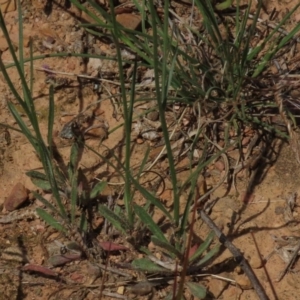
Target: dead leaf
x=109 y=246
x=39 y=269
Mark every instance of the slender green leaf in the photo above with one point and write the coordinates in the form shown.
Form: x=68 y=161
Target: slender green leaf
x=114 y=219
x=166 y=246
x=50 y=220
x=21 y=39
x=46 y=203
x=97 y=189
x=76 y=153
x=40 y=180
x=51 y=116
x=74 y=192
x=36 y=175
x=203 y=247
x=148 y=221
x=208 y=256
x=149 y=197
x=146 y=265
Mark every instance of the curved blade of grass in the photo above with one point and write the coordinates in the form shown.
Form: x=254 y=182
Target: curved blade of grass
x=161 y=95
x=21 y=45
x=127 y=118
x=37 y=175
x=144 y=161
x=210 y=20
x=97 y=189
x=270 y=54
x=27 y=104
x=114 y=219
x=208 y=256
x=107 y=161
x=46 y=203
x=23 y=126
x=149 y=197
x=39 y=179
x=257 y=49
x=83 y=225
x=48 y=168
x=31 y=67
x=50 y=117
x=50 y=220
x=202 y=247
x=148 y=221
x=76 y=154
x=74 y=192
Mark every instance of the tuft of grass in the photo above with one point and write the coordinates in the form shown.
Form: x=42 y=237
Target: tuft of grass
x=212 y=73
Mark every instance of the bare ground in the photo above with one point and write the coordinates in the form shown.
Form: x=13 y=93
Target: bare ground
x=251 y=219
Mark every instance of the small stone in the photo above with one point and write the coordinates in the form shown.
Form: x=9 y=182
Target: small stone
x=153 y=115
x=121 y=290
x=255 y=261
x=244 y=282
x=142 y=288
x=17 y=197
x=139 y=141
x=219 y=165
x=129 y=21
x=245 y=141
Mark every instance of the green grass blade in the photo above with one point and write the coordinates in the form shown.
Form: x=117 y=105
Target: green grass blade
x=46 y=203
x=50 y=220
x=149 y=197
x=204 y=246
x=114 y=219
x=97 y=189
x=74 y=192
x=147 y=265
x=160 y=101
x=127 y=117
x=148 y=221
x=23 y=126
x=166 y=246
x=21 y=45
x=50 y=117
x=208 y=256
x=40 y=180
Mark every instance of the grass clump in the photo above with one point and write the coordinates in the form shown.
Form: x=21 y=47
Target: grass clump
x=208 y=74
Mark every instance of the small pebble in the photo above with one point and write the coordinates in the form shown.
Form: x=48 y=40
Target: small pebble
x=17 y=197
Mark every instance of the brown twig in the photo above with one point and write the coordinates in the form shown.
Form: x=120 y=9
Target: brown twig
x=237 y=255
x=264 y=266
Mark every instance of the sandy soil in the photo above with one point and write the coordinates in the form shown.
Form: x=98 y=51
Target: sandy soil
x=251 y=221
